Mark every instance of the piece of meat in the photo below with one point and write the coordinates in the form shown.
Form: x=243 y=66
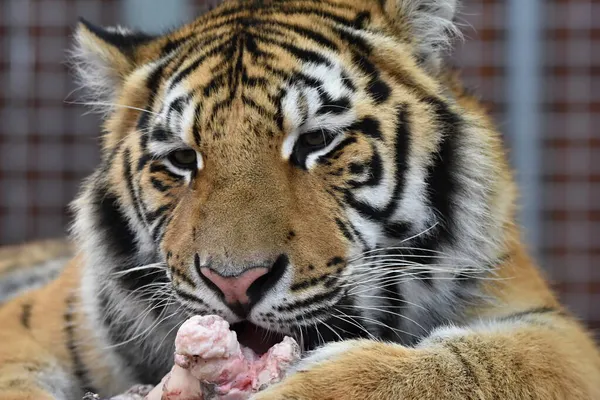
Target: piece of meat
x=210 y=364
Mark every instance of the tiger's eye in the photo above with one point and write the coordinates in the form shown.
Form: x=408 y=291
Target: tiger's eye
x=184 y=159
x=314 y=139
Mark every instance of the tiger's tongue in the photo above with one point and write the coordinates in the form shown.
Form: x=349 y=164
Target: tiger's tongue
x=256 y=338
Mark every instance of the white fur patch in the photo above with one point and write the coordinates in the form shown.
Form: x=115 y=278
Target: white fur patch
x=329 y=352
x=443 y=334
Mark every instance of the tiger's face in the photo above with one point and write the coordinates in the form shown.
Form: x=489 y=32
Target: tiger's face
x=285 y=162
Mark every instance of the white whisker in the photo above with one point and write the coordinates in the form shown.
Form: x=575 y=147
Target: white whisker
x=160 y=266
x=99 y=103
x=389 y=312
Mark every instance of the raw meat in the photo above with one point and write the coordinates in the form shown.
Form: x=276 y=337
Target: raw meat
x=210 y=364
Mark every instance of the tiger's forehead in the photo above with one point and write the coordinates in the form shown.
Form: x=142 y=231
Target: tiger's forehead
x=269 y=71
x=285 y=96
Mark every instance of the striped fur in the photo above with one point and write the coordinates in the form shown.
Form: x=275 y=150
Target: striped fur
x=329 y=144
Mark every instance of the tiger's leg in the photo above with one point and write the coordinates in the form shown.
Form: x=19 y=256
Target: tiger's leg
x=33 y=374
x=27 y=369
x=536 y=354
x=47 y=348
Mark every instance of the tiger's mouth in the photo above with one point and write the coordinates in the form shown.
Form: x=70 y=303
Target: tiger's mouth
x=256 y=338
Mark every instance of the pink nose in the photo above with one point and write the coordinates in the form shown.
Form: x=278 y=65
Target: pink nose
x=234 y=288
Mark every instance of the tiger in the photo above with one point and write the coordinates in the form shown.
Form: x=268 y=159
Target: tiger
x=313 y=169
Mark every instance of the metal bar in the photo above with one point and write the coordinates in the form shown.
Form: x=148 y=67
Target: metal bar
x=524 y=55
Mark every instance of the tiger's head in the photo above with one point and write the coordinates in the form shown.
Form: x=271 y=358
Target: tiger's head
x=296 y=166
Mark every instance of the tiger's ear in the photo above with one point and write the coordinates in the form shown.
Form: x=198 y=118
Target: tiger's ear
x=103 y=58
x=429 y=25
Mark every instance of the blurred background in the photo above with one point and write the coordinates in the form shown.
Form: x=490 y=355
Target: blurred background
x=531 y=61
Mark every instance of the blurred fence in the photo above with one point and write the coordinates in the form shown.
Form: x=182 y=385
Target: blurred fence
x=48 y=145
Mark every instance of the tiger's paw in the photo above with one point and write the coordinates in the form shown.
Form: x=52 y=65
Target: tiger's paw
x=339 y=371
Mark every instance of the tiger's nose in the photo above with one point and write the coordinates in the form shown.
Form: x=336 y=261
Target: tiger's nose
x=235 y=288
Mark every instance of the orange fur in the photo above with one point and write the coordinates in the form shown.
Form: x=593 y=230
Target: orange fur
x=248 y=204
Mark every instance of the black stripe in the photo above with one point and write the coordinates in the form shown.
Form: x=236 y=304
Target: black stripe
x=26 y=315
x=254 y=81
x=337 y=150
x=369 y=126
x=218 y=81
x=365 y=65
x=144 y=159
x=467 y=367
x=196 y=127
x=324 y=309
x=137 y=206
x=219 y=106
x=308 y=80
x=152 y=84
x=107 y=161
x=331 y=106
x=401 y=155
x=159 y=135
x=164 y=224
x=397 y=230
x=118 y=237
x=182 y=276
x=257 y=54
x=253 y=104
x=486 y=361
x=312 y=300
x=335 y=261
x=237 y=68
x=375 y=174
x=120 y=241
x=187 y=296
x=379 y=90
x=177 y=105
x=280 y=73
x=441 y=180
x=193 y=48
x=151 y=216
x=314 y=335
x=172 y=45
x=359 y=236
x=526 y=313
x=217 y=49
x=402 y=149
x=279 y=29
x=158 y=185
x=311 y=282
x=303 y=54
x=161 y=168
x=344 y=229
x=157 y=231
x=322 y=3
x=356 y=40
x=79 y=367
